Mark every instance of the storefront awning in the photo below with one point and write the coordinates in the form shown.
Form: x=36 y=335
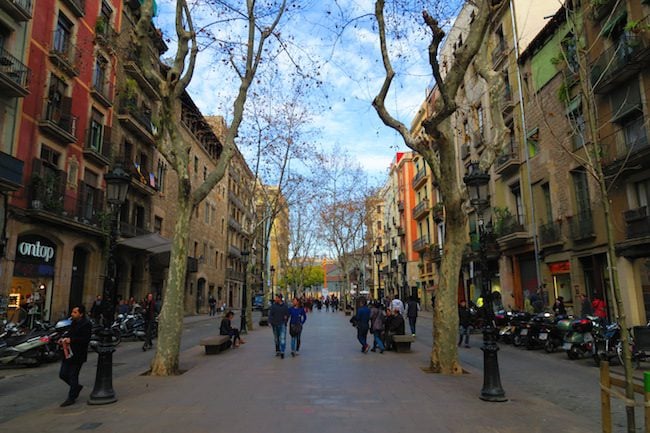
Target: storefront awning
x=152 y=242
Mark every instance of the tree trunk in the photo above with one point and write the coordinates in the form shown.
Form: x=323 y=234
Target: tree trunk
x=165 y=361
x=444 y=354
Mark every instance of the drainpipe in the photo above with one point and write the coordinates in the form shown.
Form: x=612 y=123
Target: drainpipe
x=525 y=130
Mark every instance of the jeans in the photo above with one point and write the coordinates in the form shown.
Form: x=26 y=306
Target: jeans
x=295 y=343
x=69 y=373
x=412 y=324
x=280 y=337
x=148 y=336
x=464 y=331
x=362 y=335
x=378 y=341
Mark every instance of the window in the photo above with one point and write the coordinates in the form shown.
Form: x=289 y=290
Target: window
x=50 y=156
x=532 y=142
x=548 y=204
x=99 y=74
x=157 y=224
x=56 y=94
x=196 y=164
x=96 y=131
x=570 y=52
x=105 y=14
x=643 y=192
x=196 y=250
x=634 y=131
x=466 y=138
x=577 y=120
x=481 y=120
x=378 y=226
x=139 y=217
x=506 y=85
x=206 y=215
x=519 y=203
x=161 y=172
x=90 y=195
x=627 y=111
x=500 y=40
x=205 y=173
x=62 y=35
x=581 y=190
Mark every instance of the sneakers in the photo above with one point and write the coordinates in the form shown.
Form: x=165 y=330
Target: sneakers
x=68 y=402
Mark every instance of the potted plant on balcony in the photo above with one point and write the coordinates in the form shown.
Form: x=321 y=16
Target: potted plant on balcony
x=504 y=221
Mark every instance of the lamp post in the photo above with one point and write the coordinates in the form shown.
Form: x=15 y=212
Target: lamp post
x=272 y=283
x=117 y=185
x=477 y=184
x=405 y=285
x=378 y=259
x=244 y=295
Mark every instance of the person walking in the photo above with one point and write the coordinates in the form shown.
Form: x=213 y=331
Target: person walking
x=377 y=319
x=600 y=308
x=363 y=325
x=412 y=308
x=97 y=310
x=586 y=308
x=278 y=317
x=149 y=321
x=297 y=318
x=226 y=329
x=75 y=349
x=465 y=322
x=212 y=302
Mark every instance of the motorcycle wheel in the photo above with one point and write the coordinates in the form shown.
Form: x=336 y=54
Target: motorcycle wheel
x=574 y=353
x=516 y=340
x=549 y=347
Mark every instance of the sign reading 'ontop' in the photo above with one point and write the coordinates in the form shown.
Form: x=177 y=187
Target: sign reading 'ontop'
x=35 y=249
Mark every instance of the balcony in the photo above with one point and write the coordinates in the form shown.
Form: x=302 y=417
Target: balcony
x=581 y=227
x=550 y=235
x=637 y=222
x=234 y=275
x=20 y=10
x=78 y=7
x=233 y=251
x=130 y=231
x=233 y=224
x=136 y=120
x=619 y=62
x=102 y=92
x=14 y=75
x=64 y=54
x=132 y=68
x=419 y=179
x=507 y=163
x=601 y=9
x=105 y=34
x=142 y=179
x=510 y=233
x=421 y=210
x=98 y=148
x=58 y=122
x=236 y=201
x=49 y=201
x=507 y=105
x=436 y=254
x=439 y=213
x=421 y=244
x=11 y=172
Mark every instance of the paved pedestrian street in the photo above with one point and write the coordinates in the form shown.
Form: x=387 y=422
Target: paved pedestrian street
x=330 y=387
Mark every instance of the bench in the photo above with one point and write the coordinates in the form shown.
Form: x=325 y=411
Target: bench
x=216 y=344
x=402 y=343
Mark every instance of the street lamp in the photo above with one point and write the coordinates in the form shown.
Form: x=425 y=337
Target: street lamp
x=244 y=296
x=477 y=184
x=117 y=185
x=378 y=259
x=405 y=285
x=272 y=282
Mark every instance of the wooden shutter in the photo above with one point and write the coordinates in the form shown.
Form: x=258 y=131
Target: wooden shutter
x=107 y=143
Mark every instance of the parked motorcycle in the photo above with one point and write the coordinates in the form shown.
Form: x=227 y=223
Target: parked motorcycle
x=30 y=349
x=606 y=339
x=579 y=341
x=557 y=332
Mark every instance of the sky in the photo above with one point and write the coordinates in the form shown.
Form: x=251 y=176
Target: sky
x=351 y=72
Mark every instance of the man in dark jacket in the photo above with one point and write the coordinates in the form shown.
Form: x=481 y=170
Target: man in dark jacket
x=412 y=308
x=76 y=351
x=278 y=317
x=363 y=325
x=149 y=321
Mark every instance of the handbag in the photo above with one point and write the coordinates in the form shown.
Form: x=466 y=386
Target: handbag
x=295 y=329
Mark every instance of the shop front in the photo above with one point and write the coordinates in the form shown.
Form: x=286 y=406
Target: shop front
x=32 y=282
x=561 y=277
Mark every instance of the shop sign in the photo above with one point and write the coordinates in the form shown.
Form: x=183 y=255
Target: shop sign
x=560 y=267
x=35 y=249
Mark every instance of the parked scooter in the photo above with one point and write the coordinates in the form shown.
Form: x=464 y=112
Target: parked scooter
x=579 y=341
x=557 y=332
x=30 y=349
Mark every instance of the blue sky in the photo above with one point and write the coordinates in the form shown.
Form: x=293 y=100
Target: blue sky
x=352 y=73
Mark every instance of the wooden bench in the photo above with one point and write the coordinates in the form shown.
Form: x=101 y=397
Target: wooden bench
x=216 y=344
x=402 y=343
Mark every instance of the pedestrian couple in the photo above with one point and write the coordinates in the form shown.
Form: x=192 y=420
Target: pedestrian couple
x=279 y=315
